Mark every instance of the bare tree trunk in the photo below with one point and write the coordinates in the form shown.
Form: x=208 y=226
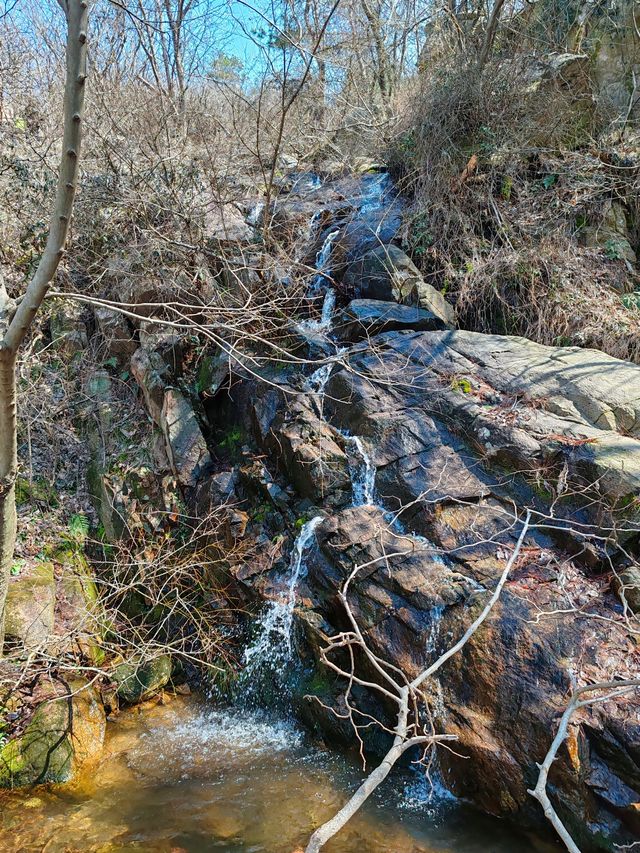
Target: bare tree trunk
x=14 y=325
x=490 y=34
x=8 y=471
x=383 y=73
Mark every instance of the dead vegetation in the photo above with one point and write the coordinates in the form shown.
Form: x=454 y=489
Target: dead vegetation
x=525 y=199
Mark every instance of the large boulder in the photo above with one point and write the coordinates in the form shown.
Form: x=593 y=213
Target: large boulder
x=464 y=431
x=387 y=273
x=363 y=318
x=30 y=606
x=65 y=734
x=562 y=419
x=503 y=695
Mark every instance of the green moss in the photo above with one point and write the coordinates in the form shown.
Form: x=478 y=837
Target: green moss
x=138 y=680
x=38 y=490
x=43 y=753
x=462 y=384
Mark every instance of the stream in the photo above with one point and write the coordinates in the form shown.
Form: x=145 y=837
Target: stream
x=190 y=777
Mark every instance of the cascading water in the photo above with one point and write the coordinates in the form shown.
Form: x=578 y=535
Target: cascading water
x=363 y=472
x=272 y=647
x=375 y=191
x=322 y=260
x=316 y=383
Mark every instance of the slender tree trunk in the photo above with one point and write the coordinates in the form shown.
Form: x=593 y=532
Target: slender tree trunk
x=490 y=34
x=16 y=321
x=8 y=470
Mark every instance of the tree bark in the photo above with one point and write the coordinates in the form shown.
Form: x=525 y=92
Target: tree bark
x=8 y=471
x=14 y=324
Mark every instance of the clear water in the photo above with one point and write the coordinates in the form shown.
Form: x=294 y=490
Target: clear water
x=362 y=470
x=184 y=778
x=272 y=646
x=322 y=261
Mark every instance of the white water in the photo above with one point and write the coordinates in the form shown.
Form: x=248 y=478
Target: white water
x=375 y=193
x=273 y=642
x=434 y=630
x=322 y=260
x=272 y=647
x=316 y=383
x=363 y=473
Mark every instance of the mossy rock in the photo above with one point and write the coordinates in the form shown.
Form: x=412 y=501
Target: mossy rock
x=139 y=680
x=38 y=491
x=87 y=620
x=30 y=605
x=64 y=734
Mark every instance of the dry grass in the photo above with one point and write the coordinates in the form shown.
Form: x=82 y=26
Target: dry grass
x=553 y=294
x=513 y=190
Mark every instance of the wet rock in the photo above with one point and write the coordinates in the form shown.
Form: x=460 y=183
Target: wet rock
x=65 y=734
x=462 y=428
x=138 y=681
x=97 y=427
x=363 y=318
x=386 y=273
x=294 y=214
x=308 y=450
x=186 y=446
x=30 y=606
x=503 y=695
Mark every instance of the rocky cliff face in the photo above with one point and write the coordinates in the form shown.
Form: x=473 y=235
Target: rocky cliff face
x=464 y=431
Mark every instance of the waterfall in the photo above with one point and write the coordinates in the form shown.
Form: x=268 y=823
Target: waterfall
x=375 y=192
x=434 y=630
x=272 y=646
x=319 y=283
x=322 y=260
x=317 y=381
x=363 y=473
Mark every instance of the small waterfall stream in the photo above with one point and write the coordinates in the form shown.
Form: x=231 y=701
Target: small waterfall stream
x=273 y=642
x=192 y=777
x=363 y=472
x=272 y=645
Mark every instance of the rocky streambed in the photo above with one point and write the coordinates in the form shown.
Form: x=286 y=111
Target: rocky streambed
x=398 y=434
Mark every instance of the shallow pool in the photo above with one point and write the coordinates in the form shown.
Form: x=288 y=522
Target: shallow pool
x=185 y=777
